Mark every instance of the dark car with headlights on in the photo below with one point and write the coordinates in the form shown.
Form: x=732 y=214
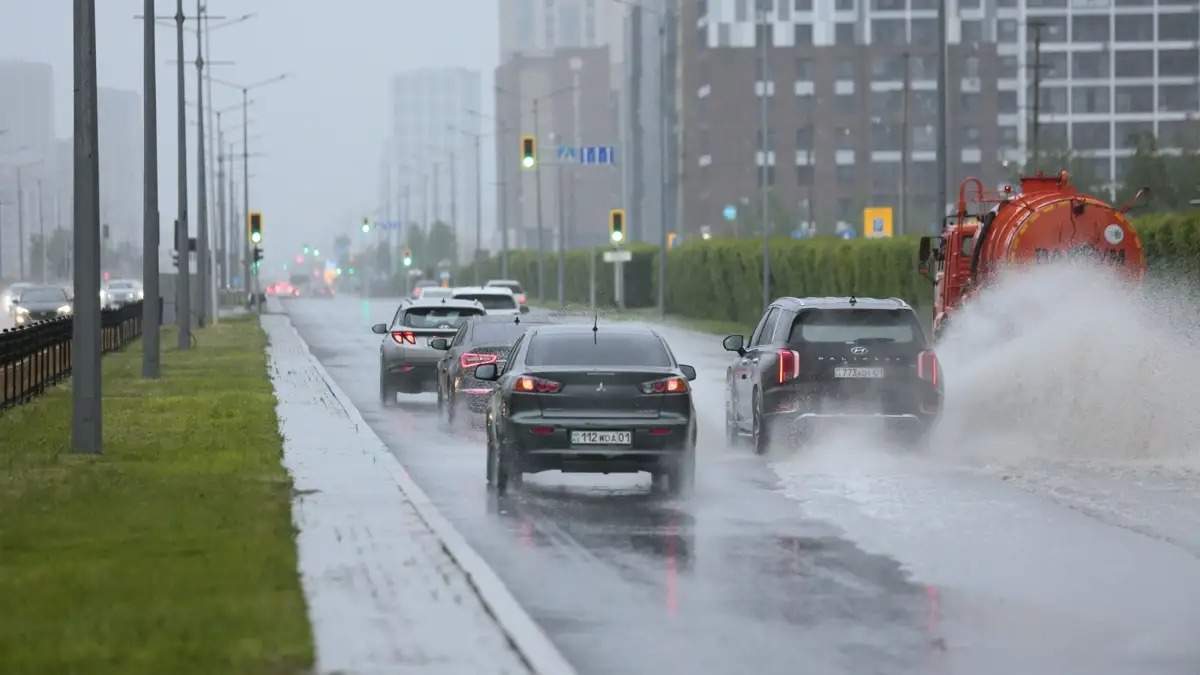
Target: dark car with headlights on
x=478 y=342
x=40 y=303
x=407 y=362
x=587 y=399
x=816 y=360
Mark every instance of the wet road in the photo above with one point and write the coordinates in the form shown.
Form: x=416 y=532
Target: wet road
x=813 y=564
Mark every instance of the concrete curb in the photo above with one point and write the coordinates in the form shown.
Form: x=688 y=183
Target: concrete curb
x=526 y=637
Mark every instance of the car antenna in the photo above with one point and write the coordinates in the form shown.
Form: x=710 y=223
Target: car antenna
x=517 y=319
x=595 y=326
x=853 y=301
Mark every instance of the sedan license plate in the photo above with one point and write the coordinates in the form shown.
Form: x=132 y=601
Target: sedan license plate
x=601 y=437
x=858 y=373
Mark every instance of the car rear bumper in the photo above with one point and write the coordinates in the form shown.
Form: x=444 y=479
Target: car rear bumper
x=545 y=444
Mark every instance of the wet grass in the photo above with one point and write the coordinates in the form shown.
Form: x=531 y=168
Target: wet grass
x=173 y=552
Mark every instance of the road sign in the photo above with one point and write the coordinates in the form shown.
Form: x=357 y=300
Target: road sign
x=618 y=256
x=730 y=212
x=877 y=222
x=588 y=155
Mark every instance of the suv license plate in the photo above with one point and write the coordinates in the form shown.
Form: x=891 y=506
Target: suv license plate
x=601 y=437
x=846 y=372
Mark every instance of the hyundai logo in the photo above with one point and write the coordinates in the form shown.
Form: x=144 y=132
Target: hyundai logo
x=858 y=350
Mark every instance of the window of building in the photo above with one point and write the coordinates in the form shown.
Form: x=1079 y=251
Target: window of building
x=1178 y=98
x=1054 y=135
x=758 y=139
x=1007 y=67
x=1089 y=28
x=1006 y=30
x=1135 y=28
x=1134 y=64
x=1054 y=100
x=969 y=4
x=885 y=136
x=804 y=138
x=1133 y=3
x=886 y=103
x=845 y=175
x=924 y=31
x=1054 y=29
x=972 y=31
x=742 y=12
x=1175 y=27
x=1009 y=137
x=924 y=104
x=922 y=66
x=1090 y=100
x=843 y=138
x=885 y=68
x=804 y=104
x=803 y=69
x=844 y=70
x=770 y=172
x=1054 y=65
x=885 y=177
x=888 y=5
x=888 y=32
x=1006 y=102
x=1090 y=135
x=765 y=34
x=971 y=66
x=969 y=103
x=804 y=175
x=843 y=33
x=802 y=5
x=785 y=10
x=926 y=4
x=924 y=138
x=1033 y=4
x=1127 y=134
x=970 y=136
x=1179 y=134
x=845 y=103
x=844 y=5
x=804 y=34
x=1131 y=99
x=723 y=38
x=1179 y=62
x=1089 y=64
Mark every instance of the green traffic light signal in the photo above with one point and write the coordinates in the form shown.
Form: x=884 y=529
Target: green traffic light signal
x=366 y=226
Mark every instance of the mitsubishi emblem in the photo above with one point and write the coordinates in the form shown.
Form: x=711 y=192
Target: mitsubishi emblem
x=600 y=387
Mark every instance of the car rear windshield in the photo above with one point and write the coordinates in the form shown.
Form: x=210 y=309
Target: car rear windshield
x=514 y=287
x=490 y=300
x=600 y=349
x=497 y=334
x=855 y=325
x=438 y=317
x=43 y=295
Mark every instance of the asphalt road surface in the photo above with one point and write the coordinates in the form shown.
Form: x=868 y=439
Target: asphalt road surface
x=847 y=558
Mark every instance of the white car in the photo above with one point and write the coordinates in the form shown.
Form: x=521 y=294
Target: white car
x=122 y=292
x=496 y=300
x=512 y=285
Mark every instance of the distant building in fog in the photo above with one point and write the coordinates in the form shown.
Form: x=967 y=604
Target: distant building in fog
x=26 y=134
x=121 y=163
x=431 y=108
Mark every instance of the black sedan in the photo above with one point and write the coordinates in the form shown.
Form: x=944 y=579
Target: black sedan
x=587 y=399
x=482 y=341
x=40 y=303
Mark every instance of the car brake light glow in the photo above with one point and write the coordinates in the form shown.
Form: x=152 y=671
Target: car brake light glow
x=789 y=365
x=471 y=359
x=520 y=298
x=669 y=385
x=537 y=385
x=928 y=367
x=541 y=431
x=404 y=337
x=660 y=431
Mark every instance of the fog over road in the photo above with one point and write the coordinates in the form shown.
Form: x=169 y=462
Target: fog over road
x=842 y=557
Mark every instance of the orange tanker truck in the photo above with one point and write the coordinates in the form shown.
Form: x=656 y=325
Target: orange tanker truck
x=1046 y=222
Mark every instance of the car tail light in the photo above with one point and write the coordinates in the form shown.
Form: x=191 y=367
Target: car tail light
x=789 y=365
x=541 y=431
x=660 y=431
x=536 y=385
x=403 y=337
x=520 y=298
x=471 y=359
x=928 y=368
x=669 y=385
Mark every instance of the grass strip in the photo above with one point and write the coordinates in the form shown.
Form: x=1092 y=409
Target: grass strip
x=174 y=551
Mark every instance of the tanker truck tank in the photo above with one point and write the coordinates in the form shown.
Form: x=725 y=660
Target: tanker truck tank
x=1047 y=222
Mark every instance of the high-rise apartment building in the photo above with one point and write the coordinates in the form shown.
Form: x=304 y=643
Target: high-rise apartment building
x=119 y=124
x=433 y=157
x=545 y=25
x=26 y=136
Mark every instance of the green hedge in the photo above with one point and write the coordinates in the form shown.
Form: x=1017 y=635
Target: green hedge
x=721 y=279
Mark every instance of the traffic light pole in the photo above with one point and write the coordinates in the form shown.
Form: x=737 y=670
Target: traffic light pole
x=541 y=238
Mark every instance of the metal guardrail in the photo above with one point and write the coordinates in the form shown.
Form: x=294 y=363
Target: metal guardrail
x=38 y=356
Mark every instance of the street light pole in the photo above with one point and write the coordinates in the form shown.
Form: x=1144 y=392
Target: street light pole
x=86 y=416
x=764 y=171
x=203 y=273
x=150 y=233
x=183 y=297
x=541 y=238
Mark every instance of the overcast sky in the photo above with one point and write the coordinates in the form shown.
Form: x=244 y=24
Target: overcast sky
x=320 y=131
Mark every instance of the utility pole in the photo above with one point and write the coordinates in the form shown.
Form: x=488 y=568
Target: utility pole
x=664 y=32
x=562 y=239
x=764 y=171
x=183 y=292
x=943 y=143
x=221 y=259
x=150 y=234
x=478 y=210
x=1037 y=92
x=86 y=419
x=437 y=202
x=41 y=232
x=204 y=273
x=904 y=149
x=453 y=206
x=20 y=224
x=541 y=237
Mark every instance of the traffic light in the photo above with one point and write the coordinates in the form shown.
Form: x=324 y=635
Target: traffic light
x=528 y=151
x=366 y=226
x=307 y=250
x=616 y=226
x=258 y=256
x=256 y=227
x=407 y=257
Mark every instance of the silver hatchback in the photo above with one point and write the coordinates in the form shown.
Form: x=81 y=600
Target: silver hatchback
x=407 y=364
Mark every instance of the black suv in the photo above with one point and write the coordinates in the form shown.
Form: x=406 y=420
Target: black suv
x=816 y=359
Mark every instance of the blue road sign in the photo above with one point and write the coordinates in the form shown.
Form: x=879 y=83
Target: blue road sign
x=730 y=212
x=588 y=155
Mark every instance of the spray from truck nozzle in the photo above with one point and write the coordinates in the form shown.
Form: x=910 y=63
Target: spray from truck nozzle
x=1070 y=361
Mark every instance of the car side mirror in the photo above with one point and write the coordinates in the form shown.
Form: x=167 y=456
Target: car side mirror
x=524 y=309
x=487 y=372
x=440 y=343
x=379 y=329
x=688 y=372
x=735 y=343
